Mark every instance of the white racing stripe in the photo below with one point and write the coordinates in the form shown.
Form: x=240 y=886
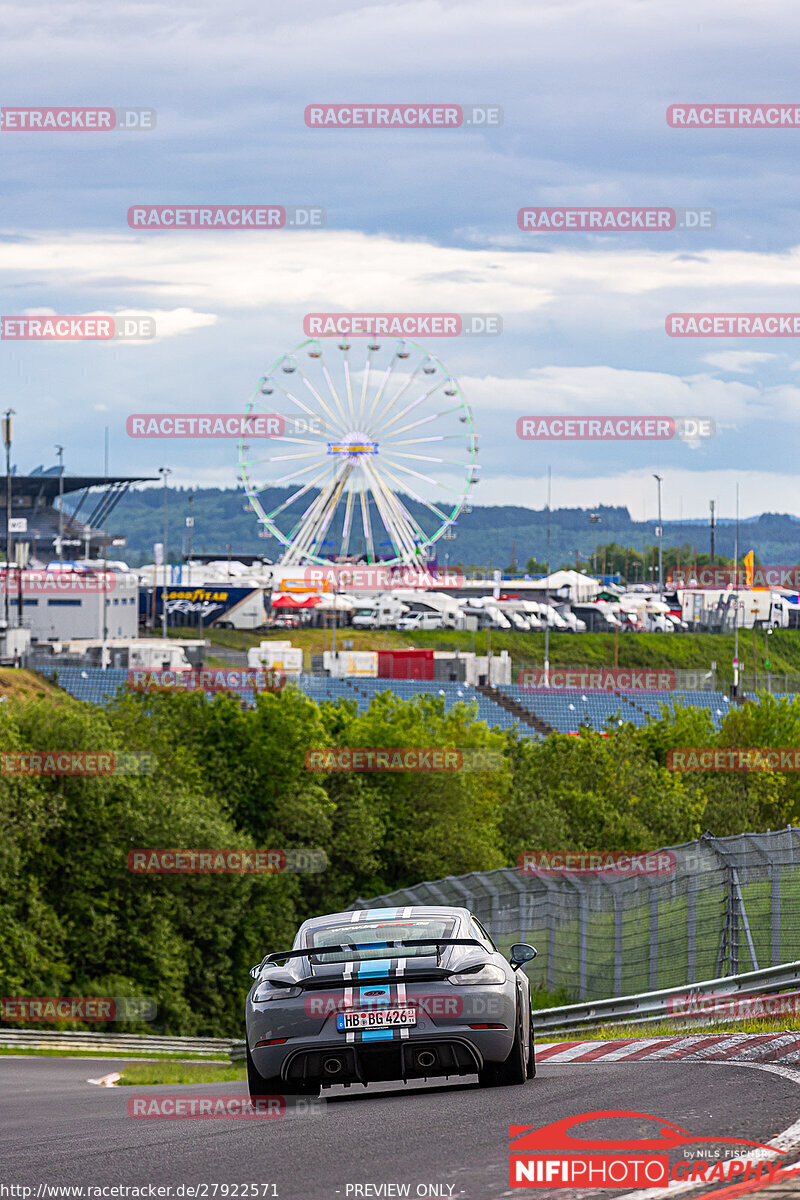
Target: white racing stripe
x=682 y=1044
x=624 y=1051
x=724 y=1044
x=570 y=1053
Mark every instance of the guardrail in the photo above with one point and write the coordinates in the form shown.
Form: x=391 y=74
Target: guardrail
x=115 y=1043
x=653 y=1006
x=633 y=1010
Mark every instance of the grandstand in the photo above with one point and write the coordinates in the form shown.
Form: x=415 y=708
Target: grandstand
x=566 y=711
x=34 y=498
x=99 y=687
x=562 y=711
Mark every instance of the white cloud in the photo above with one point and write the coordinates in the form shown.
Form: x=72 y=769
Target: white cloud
x=685 y=493
x=741 y=361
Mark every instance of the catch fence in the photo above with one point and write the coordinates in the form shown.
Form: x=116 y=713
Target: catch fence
x=730 y=905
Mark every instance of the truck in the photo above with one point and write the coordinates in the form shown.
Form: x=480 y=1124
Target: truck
x=721 y=611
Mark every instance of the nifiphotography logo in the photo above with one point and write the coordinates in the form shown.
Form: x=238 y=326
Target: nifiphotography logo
x=554 y=1157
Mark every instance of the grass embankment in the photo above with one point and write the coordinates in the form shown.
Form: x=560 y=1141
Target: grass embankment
x=687 y=651
x=670 y=1029
x=30 y=1052
x=16 y=684
x=139 y=1074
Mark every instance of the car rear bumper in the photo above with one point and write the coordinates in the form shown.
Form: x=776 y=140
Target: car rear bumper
x=365 y=1063
x=422 y=1055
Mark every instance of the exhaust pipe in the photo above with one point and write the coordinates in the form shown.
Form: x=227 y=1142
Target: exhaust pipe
x=332 y=1066
x=426 y=1058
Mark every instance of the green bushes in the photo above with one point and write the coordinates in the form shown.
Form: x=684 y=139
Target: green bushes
x=75 y=921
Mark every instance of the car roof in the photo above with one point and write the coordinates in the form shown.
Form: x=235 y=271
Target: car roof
x=411 y=911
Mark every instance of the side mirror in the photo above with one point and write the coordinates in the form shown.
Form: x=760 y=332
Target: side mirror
x=521 y=953
x=255 y=971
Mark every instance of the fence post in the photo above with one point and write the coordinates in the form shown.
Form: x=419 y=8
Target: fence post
x=583 y=933
x=616 y=900
x=691 y=929
x=775 y=913
x=653 y=980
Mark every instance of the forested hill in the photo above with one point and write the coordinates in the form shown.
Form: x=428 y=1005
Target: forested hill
x=485 y=536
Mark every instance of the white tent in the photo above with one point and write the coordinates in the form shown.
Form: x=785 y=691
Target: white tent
x=572 y=585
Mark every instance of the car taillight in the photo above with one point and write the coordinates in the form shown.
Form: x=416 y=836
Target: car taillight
x=271 y=1042
x=488 y=1027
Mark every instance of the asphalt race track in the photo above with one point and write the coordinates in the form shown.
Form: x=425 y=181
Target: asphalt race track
x=55 y=1128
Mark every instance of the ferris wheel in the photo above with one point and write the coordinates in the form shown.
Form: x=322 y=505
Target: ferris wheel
x=375 y=458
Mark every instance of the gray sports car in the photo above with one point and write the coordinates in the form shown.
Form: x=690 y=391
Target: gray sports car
x=388 y=993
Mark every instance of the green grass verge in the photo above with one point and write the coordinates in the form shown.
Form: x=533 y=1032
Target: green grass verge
x=166 y=1073
x=670 y=1029
x=30 y=1052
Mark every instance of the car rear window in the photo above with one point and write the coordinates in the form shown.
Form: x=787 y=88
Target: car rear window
x=380 y=931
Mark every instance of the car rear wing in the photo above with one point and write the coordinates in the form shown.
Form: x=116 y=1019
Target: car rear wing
x=314 y=951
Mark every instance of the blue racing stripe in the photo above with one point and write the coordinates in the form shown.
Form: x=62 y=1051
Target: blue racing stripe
x=377 y=1035
x=375 y=914
x=376 y=968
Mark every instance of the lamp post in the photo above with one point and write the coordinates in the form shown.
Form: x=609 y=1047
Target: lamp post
x=547 y=593
x=8 y=433
x=60 y=453
x=164 y=472
x=737 y=603
x=659 y=480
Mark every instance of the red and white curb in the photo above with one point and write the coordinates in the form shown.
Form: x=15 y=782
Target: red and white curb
x=720 y=1047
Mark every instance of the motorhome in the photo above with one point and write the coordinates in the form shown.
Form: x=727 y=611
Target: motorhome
x=383 y=612
x=598 y=618
x=430 y=605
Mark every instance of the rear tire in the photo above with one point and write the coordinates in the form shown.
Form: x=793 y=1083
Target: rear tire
x=272 y=1085
x=515 y=1067
x=531 y=1072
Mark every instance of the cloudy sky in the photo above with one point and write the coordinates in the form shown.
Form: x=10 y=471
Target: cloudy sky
x=417 y=221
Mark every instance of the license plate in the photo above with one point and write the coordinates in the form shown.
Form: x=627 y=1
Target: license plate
x=379 y=1018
